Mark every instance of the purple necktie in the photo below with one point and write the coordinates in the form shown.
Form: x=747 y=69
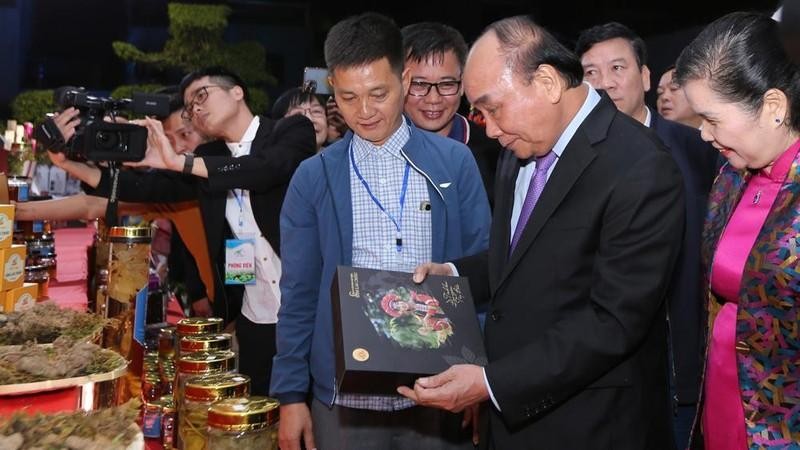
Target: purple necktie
x=535 y=189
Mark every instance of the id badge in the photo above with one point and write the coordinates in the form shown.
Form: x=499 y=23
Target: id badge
x=240 y=261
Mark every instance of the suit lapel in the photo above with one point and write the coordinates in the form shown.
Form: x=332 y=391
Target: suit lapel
x=722 y=200
x=576 y=156
x=263 y=132
x=500 y=236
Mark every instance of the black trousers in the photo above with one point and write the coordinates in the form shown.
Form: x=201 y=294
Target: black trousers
x=256 y=349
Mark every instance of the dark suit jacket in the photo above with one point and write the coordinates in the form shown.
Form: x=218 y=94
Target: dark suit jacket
x=486 y=152
x=699 y=164
x=275 y=153
x=576 y=330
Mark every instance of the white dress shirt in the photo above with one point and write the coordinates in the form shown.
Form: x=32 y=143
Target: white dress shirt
x=261 y=300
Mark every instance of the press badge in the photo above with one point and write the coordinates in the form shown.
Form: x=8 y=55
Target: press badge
x=240 y=261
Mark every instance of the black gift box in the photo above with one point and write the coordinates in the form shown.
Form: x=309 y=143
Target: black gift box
x=389 y=330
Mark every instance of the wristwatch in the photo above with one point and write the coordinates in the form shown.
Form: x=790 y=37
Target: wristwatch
x=188 y=163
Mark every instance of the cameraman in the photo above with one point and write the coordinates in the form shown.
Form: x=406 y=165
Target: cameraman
x=240 y=180
x=196 y=267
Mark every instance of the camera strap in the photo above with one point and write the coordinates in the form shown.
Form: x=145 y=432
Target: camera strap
x=112 y=207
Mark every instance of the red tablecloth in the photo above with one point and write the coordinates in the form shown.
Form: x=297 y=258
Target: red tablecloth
x=59 y=400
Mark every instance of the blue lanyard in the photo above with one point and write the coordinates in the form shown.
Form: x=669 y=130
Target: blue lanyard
x=398 y=224
x=240 y=201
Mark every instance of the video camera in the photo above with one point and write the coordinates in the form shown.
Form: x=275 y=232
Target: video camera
x=96 y=139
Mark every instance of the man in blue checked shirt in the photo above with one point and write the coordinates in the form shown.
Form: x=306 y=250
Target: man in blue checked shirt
x=386 y=196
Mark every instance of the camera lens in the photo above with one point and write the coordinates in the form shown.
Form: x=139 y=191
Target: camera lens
x=107 y=140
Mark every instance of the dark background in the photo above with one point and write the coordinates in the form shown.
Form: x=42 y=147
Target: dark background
x=50 y=43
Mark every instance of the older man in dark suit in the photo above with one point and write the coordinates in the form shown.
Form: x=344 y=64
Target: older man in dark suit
x=589 y=212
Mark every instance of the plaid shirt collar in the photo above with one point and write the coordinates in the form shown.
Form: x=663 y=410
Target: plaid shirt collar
x=393 y=146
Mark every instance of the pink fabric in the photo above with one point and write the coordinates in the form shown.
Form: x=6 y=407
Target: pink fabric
x=723 y=415
x=740 y=234
x=69 y=295
x=71 y=247
x=68 y=289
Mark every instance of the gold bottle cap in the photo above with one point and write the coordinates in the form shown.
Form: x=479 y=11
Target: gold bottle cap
x=243 y=414
x=206 y=362
x=216 y=387
x=129 y=234
x=199 y=325
x=205 y=343
x=167 y=403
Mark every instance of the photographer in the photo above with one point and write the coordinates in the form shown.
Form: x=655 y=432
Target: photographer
x=195 y=267
x=240 y=180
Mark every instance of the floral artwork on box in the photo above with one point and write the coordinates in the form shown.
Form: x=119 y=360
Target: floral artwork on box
x=408 y=318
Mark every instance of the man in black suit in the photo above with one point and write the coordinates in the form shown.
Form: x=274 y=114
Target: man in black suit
x=239 y=180
x=575 y=333
x=614 y=59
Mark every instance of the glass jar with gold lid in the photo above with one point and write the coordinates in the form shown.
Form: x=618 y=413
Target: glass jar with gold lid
x=205 y=343
x=238 y=423
x=199 y=325
x=128 y=262
x=199 y=394
x=166 y=342
x=168 y=425
x=194 y=326
x=201 y=363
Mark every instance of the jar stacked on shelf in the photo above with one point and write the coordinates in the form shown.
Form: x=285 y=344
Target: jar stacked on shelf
x=191 y=371
x=41 y=263
x=200 y=393
x=239 y=423
x=37 y=236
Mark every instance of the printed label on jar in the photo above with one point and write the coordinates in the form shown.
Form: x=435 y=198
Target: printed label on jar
x=151 y=421
x=15 y=268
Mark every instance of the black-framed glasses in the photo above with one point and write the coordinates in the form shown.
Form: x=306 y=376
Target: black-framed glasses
x=444 y=88
x=200 y=97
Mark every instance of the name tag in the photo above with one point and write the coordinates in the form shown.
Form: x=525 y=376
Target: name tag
x=240 y=261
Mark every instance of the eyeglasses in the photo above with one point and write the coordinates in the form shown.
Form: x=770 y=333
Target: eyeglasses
x=200 y=97
x=444 y=88
x=314 y=111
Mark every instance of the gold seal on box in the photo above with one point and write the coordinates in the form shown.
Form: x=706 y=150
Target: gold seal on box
x=360 y=354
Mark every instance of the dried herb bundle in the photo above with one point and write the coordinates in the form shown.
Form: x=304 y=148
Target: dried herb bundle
x=66 y=358
x=44 y=323
x=106 y=429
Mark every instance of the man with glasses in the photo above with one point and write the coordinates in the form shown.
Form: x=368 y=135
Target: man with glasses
x=240 y=180
x=386 y=196
x=435 y=55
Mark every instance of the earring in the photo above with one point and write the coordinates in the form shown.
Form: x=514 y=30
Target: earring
x=777 y=120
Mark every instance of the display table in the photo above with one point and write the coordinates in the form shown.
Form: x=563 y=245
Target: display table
x=69 y=289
